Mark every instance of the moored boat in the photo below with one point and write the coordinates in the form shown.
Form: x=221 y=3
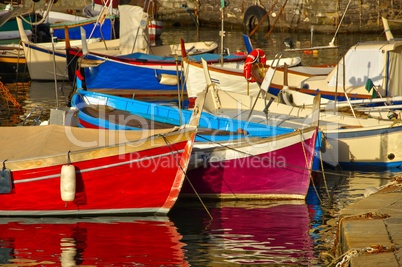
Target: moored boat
x=371 y=61
x=47 y=61
x=13 y=64
x=276 y=162
x=347 y=137
x=9 y=32
x=163 y=75
x=62 y=169
x=231 y=75
x=103 y=27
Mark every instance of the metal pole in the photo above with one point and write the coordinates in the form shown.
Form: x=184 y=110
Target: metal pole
x=222 y=34
x=54 y=69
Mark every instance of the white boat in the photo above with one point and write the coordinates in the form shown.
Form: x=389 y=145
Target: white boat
x=378 y=62
x=42 y=61
x=383 y=108
x=10 y=35
x=47 y=61
x=230 y=76
x=371 y=76
x=354 y=143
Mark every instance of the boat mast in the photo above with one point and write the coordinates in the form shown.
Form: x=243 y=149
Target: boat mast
x=222 y=32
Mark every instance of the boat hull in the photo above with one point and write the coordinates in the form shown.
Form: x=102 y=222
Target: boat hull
x=42 y=62
x=93 y=29
x=375 y=148
x=146 y=78
x=251 y=161
x=46 y=65
x=229 y=76
x=275 y=168
x=143 y=177
x=13 y=66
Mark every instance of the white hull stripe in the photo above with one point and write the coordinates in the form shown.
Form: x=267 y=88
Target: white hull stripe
x=100 y=167
x=151 y=210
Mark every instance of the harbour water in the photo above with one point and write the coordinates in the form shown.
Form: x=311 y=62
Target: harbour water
x=231 y=233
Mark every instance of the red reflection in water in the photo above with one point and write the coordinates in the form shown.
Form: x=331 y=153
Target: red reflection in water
x=69 y=242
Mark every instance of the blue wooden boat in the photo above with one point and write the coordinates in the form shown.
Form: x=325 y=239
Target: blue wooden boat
x=105 y=111
x=93 y=28
x=231 y=159
x=137 y=73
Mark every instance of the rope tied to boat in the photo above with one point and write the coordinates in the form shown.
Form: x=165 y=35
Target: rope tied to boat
x=300 y=131
x=185 y=175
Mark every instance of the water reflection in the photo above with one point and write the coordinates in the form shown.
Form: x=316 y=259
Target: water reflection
x=350 y=186
x=273 y=44
x=35 y=97
x=241 y=232
x=104 y=241
x=246 y=232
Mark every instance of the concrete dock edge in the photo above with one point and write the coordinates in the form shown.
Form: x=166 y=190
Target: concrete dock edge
x=370 y=230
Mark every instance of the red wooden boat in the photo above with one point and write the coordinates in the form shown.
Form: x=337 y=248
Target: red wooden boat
x=62 y=170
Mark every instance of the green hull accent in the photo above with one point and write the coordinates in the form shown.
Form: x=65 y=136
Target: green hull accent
x=11 y=25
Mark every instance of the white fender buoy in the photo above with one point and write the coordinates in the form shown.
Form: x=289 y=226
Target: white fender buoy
x=168 y=79
x=67 y=182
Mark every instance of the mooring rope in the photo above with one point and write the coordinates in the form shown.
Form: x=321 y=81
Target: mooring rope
x=323 y=174
x=305 y=157
x=46 y=14
x=185 y=175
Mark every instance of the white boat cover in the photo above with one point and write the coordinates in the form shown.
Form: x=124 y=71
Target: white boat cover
x=23 y=142
x=133 y=36
x=380 y=62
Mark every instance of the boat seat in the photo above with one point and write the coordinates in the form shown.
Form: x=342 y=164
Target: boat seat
x=121 y=117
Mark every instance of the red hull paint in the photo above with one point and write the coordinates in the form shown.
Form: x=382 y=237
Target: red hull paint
x=283 y=173
x=143 y=182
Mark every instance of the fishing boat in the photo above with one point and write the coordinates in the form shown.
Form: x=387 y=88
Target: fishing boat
x=275 y=161
x=9 y=32
x=104 y=111
x=91 y=241
x=163 y=75
x=13 y=64
x=345 y=133
x=65 y=170
x=375 y=61
x=103 y=26
x=48 y=61
x=231 y=75
x=379 y=107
